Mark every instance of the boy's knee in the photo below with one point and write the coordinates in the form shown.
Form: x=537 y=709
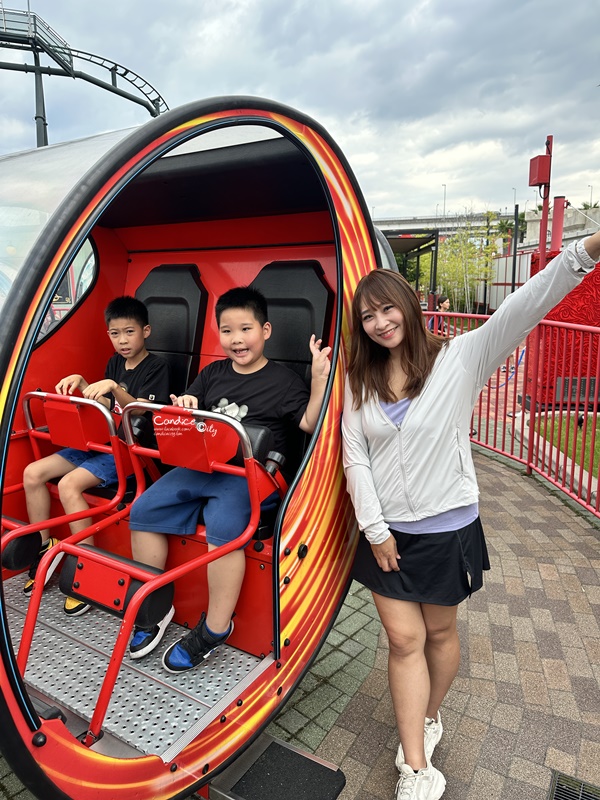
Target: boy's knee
x=32 y=476
x=68 y=486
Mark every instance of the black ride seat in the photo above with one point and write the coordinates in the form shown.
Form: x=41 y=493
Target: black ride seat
x=176 y=301
x=300 y=303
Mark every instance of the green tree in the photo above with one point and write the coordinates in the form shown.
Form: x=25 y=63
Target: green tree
x=465 y=261
x=408 y=263
x=504 y=229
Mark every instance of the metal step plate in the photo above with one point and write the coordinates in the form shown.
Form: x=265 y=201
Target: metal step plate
x=151 y=709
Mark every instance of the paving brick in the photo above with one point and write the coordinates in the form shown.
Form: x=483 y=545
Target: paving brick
x=507 y=717
x=485 y=783
x=462 y=759
x=556 y=674
x=528 y=656
x=499 y=614
x=507 y=668
x=592 y=647
x=542 y=619
x=336 y=744
x=480 y=650
x=369 y=746
x=577 y=662
x=589 y=762
x=530 y=773
x=564 y=704
x=560 y=761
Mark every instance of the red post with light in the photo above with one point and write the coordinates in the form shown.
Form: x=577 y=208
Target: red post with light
x=539 y=175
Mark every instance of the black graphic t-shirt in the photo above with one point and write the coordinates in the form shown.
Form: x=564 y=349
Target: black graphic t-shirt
x=149 y=380
x=274 y=396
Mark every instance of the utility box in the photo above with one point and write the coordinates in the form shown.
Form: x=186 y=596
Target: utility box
x=539 y=170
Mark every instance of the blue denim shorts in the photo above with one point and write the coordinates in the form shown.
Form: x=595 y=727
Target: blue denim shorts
x=102 y=465
x=173 y=504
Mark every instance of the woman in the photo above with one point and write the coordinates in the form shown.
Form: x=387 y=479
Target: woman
x=439 y=324
x=407 y=459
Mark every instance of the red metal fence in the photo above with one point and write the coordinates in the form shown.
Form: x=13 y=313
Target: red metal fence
x=541 y=407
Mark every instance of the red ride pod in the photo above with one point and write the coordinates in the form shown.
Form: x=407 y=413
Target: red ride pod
x=221 y=192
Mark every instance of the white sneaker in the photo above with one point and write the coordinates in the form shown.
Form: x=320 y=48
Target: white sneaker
x=433 y=733
x=426 y=784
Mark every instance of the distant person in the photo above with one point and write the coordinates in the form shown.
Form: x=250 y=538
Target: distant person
x=131 y=374
x=248 y=387
x=410 y=474
x=438 y=324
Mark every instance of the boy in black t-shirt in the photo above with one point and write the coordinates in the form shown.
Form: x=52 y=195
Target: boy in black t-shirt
x=132 y=373
x=248 y=387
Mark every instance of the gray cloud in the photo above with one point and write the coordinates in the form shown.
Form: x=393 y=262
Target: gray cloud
x=418 y=94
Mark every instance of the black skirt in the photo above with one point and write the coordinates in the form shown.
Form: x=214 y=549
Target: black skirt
x=438 y=568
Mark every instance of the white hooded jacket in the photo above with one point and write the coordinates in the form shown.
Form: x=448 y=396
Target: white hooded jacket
x=424 y=467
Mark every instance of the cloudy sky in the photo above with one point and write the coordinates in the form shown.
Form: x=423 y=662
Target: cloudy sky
x=418 y=93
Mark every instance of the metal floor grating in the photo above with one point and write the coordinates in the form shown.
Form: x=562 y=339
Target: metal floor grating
x=564 y=787
x=150 y=709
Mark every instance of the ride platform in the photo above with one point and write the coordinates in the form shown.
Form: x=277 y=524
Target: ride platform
x=151 y=710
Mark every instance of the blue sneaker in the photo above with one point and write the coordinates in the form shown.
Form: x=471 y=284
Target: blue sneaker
x=195 y=646
x=144 y=640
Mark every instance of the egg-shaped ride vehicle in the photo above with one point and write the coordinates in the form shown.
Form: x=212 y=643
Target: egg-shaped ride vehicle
x=215 y=194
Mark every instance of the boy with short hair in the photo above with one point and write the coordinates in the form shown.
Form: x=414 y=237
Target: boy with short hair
x=132 y=373
x=251 y=388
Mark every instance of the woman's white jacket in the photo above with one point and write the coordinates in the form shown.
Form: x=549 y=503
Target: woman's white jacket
x=424 y=466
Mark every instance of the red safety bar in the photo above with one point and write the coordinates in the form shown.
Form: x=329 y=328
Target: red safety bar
x=208 y=442
x=69 y=421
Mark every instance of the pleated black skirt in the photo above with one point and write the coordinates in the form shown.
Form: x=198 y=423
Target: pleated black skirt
x=438 y=568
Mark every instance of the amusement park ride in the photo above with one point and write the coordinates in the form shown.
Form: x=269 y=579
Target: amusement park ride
x=211 y=195
x=214 y=194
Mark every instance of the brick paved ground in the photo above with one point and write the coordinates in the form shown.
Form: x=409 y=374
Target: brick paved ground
x=527 y=697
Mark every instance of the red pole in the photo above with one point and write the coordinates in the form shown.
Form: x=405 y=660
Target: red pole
x=558 y=223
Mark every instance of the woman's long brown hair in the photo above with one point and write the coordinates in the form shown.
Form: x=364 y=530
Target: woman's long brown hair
x=368 y=369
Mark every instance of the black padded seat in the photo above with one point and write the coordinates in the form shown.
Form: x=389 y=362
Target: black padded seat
x=300 y=303
x=176 y=302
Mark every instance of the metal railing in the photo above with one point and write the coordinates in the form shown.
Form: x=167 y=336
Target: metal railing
x=540 y=407
x=22 y=27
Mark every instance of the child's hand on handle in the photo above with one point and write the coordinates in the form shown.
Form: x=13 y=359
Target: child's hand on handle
x=96 y=391
x=184 y=401
x=69 y=384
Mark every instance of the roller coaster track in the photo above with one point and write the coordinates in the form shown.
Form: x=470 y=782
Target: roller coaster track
x=24 y=30
x=117 y=70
